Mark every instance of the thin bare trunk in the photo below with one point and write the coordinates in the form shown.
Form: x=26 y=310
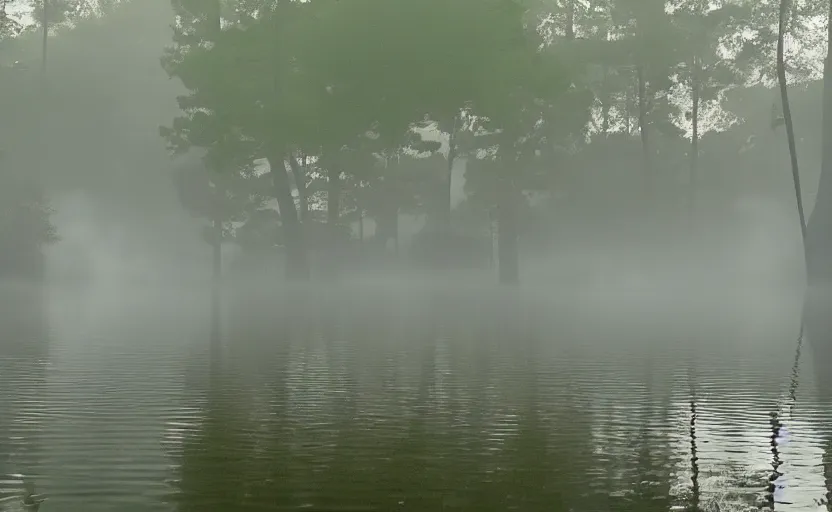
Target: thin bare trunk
x=387 y=215
x=787 y=116
x=216 y=288
x=216 y=247
x=448 y=182
x=491 y=238
x=333 y=216
x=694 y=141
x=818 y=246
x=605 y=120
x=628 y=111
x=570 y=20
x=642 y=126
x=299 y=173
x=818 y=257
x=508 y=261
x=45 y=34
x=605 y=95
x=605 y=105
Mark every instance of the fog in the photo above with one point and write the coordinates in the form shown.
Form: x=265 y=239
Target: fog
x=109 y=179
x=170 y=202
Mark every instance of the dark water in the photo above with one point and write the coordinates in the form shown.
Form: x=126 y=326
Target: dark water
x=412 y=400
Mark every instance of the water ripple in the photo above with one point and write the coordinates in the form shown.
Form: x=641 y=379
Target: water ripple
x=414 y=404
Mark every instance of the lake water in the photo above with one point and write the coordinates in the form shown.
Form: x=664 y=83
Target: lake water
x=413 y=398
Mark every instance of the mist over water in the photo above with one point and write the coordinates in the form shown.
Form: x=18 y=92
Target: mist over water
x=403 y=389
x=411 y=390
x=648 y=359
x=402 y=393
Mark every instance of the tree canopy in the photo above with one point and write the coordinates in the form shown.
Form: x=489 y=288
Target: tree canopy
x=319 y=106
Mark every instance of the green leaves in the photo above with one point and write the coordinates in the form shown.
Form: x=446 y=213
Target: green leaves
x=348 y=78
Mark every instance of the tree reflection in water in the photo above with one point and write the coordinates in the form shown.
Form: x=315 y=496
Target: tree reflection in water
x=440 y=415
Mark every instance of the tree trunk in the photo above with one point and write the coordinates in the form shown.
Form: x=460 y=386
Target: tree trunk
x=333 y=197
x=570 y=20
x=818 y=244
x=216 y=248
x=304 y=195
x=45 y=35
x=387 y=220
x=299 y=173
x=818 y=238
x=642 y=126
x=508 y=260
x=361 y=227
x=787 y=117
x=333 y=217
x=694 y=140
x=628 y=111
x=297 y=266
x=605 y=106
x=445 y=207
x=605 y=96
x=216 y=287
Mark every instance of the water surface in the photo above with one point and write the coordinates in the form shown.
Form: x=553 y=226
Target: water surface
x=410 y=398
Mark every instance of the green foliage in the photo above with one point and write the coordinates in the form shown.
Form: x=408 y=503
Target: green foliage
x=524 y=87
x=10 y=27
x=225 y=187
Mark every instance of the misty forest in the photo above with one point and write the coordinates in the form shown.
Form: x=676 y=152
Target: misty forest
x=422 y=255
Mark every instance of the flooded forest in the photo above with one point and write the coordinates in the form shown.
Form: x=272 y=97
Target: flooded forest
x=415 y=255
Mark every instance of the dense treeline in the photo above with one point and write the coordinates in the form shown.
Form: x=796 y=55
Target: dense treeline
x=550 y=117
x=320 y=105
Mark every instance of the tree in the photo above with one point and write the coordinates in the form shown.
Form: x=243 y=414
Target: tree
x=818 y=241
x=787 y=113
x=538 y=86
x=223 y=190
x=707 y=74
x=25 y=217
x=647 y=33
x=519 y=110
x=303 y=94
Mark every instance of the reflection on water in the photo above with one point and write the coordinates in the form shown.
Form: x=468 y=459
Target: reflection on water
x=422 y=401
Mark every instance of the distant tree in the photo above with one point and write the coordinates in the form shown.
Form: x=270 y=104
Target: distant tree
x=703 y=70
x=25 y=217
x=223 y=189
x=520 y=110
x=25 y=224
